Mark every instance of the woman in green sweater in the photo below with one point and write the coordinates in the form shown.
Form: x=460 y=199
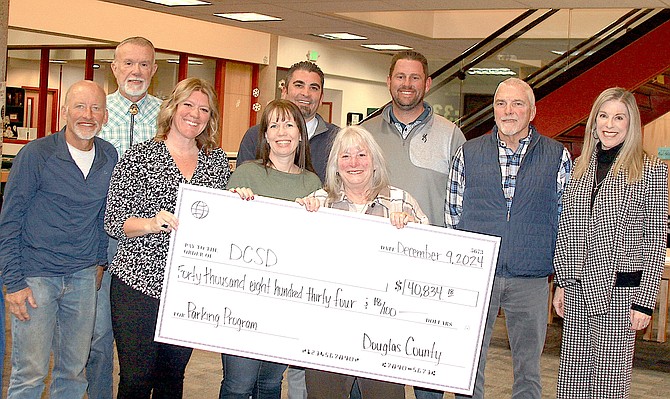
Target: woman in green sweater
x=282 y=170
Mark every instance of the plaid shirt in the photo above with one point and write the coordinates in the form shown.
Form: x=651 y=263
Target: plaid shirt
x=510 y=161
x=117 y=128
x=389 y=200
x=406 y=129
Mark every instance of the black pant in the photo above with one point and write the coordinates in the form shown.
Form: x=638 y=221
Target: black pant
x=144 y=364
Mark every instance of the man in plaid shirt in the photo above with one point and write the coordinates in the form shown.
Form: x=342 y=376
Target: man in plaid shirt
x=132 y=119
x=509 y=184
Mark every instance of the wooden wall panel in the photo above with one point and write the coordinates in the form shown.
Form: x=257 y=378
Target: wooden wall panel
x=655 y=135
x=237 y=104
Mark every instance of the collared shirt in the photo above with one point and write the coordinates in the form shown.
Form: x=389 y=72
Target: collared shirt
x=510 y=161
x=390 y=199
x=406 y=129
x=311 y=127
x=117 y=128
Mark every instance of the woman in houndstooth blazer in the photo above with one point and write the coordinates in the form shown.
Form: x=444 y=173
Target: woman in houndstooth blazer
x=609 y=252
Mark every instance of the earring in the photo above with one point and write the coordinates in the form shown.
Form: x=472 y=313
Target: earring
x=594 y=133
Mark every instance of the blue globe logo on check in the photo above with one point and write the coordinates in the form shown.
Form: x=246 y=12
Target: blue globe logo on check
x=199 y=210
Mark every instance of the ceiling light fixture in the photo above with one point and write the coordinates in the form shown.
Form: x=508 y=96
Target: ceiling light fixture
x=574 y=53
x=341 y=36
x=491 y=71
x=171 y=3
x=248 y=17
x=386 y=47
x=190 y=62
x=58 y=61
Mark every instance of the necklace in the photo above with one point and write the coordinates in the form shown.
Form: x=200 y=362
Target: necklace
x=596 y=183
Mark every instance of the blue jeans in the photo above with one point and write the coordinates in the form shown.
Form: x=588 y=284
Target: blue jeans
x=100 y=365
x=425 y=393
x=244 y=377
x=62 y=323
x=295 y=377
x=524 y=301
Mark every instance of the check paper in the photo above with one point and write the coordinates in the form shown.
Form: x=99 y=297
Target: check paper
x=329 y=290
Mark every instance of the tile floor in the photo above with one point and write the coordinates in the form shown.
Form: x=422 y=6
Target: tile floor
x=650 y=381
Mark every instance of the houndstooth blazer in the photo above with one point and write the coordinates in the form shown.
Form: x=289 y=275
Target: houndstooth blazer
x=625 y=232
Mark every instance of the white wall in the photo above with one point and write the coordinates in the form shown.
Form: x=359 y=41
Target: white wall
x=357 y=96
x=360 y=76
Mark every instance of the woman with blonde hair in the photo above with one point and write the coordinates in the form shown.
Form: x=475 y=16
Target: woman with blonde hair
x=610 y=250
x=140 y=213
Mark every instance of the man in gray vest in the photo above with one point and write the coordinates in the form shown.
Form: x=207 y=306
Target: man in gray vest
x=509 y=184
x=418 y=144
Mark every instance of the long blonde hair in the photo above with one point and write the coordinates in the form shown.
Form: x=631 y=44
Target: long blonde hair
x=631 y=155
x=348 y=137
x=209 y=138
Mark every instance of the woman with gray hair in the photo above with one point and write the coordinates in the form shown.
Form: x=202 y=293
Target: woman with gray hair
x=357 y=181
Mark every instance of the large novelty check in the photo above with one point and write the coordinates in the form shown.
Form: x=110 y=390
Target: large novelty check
x=329 y=290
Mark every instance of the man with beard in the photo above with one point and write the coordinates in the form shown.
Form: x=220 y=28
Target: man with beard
x=509 y=184
x=51 y=243
x=132 y=111
x=132 y=119
x=417 y=144
x=304 y=88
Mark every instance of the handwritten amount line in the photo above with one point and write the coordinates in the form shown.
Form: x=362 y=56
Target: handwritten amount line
x=303 y=302
x=284 y=274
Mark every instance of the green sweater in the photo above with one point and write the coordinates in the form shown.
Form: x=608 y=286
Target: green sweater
x=273 y=183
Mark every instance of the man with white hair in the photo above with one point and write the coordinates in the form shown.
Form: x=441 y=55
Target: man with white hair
x=510 y=184
x=132 y=119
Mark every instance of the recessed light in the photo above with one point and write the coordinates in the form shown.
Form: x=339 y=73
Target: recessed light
x=340 y=36
x=171 y=3
x=58 y=61
x=386 y=47
x=248 y=17
x=491 y=71
x=190 y=62
x=574 y=53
